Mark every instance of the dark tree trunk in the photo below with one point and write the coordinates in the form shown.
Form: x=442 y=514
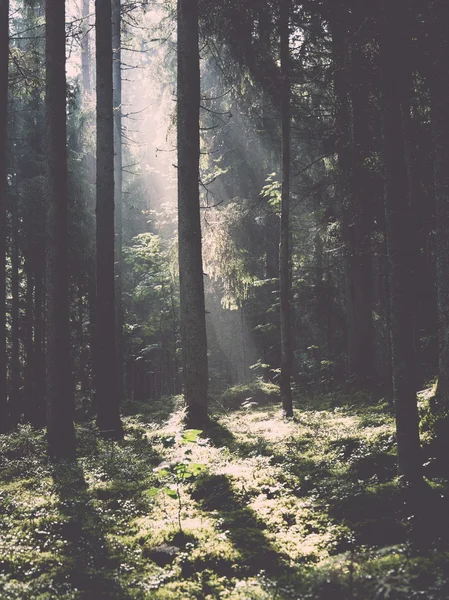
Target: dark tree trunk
x=351 y=96
x=60 y=402
x=284 y=247
x=107 y=394
x=15 y=408
x=28 y=386
x=360 y=273
x=117 y=77
x=400 y=245
x=4 y=59
x=440 y=123
x=39 y=328
x=193 y=318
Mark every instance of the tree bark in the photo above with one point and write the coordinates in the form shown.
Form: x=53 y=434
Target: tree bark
x=118 y=198
x=107 y=396
x=193 y=321
x=360 y=334
x=350 y=118
x=15 y=409
x=400 y=245
x=440 y=124
x=284 y=246
x=4 y=60
x=85 y=50
x=60 y=401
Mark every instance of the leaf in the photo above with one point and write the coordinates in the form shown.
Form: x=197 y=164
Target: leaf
x=191 y=435
x=153 y=491
x=171 y=493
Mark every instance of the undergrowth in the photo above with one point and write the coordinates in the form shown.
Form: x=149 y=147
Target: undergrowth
x=261 y=507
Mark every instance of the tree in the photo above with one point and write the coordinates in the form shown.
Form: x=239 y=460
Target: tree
x=4 y=60
x=192 y=305
x=439 y=85
x=60 y=401
x=351 y=110
x=284 y=247
x=107 y=392
x=118 y=199
x=400 y=244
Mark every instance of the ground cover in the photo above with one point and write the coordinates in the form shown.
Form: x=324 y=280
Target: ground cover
x=254 y=507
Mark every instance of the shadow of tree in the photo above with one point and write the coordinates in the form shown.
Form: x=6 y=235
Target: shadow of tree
x=92 y=567
x=242 y=526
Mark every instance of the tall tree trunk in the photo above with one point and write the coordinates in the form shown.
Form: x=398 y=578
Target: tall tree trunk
x=285 y=250
x=440 y=123
x=360 y=284
x=14 y=399
x=86 y=70
x=353 y=188
x=400 y=245
x=39 y=418
x=60 y=401
x=117 y=77
x=85 y=50
x=4 y=59
x=28 y=385
x=107 y=396
x=193 y=318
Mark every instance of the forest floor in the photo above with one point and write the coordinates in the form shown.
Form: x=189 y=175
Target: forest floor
x=256 y=507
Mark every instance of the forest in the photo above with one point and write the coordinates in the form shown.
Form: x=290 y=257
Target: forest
x=224 y=299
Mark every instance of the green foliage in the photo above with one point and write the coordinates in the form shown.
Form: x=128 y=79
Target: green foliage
x=272 y=192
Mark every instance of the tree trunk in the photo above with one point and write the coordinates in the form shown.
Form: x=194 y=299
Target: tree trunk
x=360 y=334
x=193 y=321
x=60 y=401
x=284 y=247
x=28 y=386
x=85 y=50
x=117 y=77
x=39 y=327
x=440 y=123
x=107 y=396
x=400 y=246
x=4 y=59
x=353 y=188
x=15 y=408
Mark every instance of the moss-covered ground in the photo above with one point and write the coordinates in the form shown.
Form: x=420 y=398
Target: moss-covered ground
x=255 y=507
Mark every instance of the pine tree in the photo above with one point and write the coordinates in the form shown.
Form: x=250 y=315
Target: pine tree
x=107 y=393
x=193 y=318
x=285 y=246
x=60 y=401
x=4 y=60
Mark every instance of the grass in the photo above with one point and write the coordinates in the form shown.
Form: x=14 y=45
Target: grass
x=302 y=508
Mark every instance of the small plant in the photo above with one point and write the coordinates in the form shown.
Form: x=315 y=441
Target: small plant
x=177 y=473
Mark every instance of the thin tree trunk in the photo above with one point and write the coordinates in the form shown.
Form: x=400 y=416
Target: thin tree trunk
x=400 y=247
x=107 y=394
x=284 y=247
x=4 y=59
x=361 y=331
x=118 y=198
x=193 y=317
x=85 y=50
x=60 y=401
